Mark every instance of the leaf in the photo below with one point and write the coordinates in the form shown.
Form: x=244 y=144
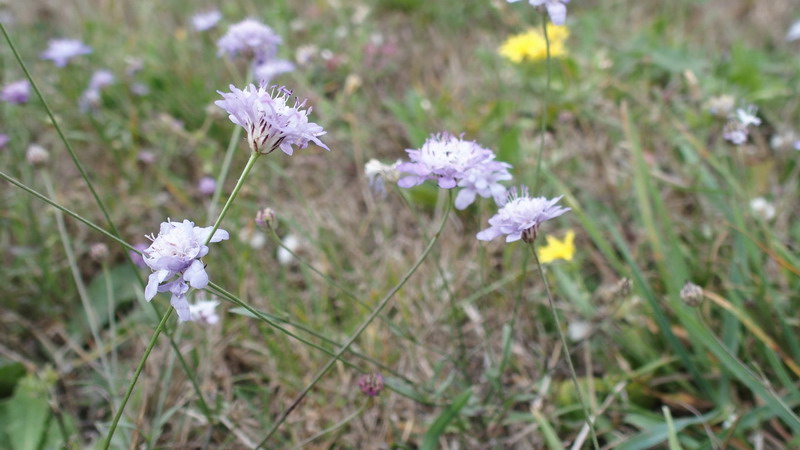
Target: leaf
x=123 y=284
x=10 y=373
x=25 y=416
x=431 y=440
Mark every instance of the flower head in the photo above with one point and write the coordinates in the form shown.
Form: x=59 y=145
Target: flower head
x=251 y=38
x=90 y=99
x=762 y=207
x=735 y=132
x=206 y=186
x=271 y=122
x=371 y=384
x=17 y=92
x=177 y=251
x=558 y=249
x=531 y=45
x=36 y=155
x=378 y=172
x=521 y=216
x=205 y=21
x=484 y=180
x=264 y=72
x=747 y=116
x=556 y=9
x=60 y=51
x=205 y=312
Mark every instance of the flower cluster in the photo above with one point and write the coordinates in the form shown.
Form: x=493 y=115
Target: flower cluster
x=257 y=41
x=60 y=51
x=174 y=257
x=737 y=129
x=556 y=9
x=531 y=45
x=453 y=161
x=16 y=93
x=271 y=122
x=521 y=216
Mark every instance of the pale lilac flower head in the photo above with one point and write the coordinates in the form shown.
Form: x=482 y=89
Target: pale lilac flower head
x=205 y=21
x=3 y=140
x=453 y=161
x=267 y=70
x=17 y=92
x=735 y=132
x=251 y=38
x=174 y=257
x=206 y=186
x=60 y=51
x=271 y=122
x=521 y=216
x=377 y=173
x=483 y=180
x=556 y=9
x=90 y=99
x=205 y=312
x=101 y=79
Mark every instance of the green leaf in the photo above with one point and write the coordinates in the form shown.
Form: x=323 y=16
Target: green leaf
x=25 y=416
x=118 y=288
x=10 y=373
x=431 y=440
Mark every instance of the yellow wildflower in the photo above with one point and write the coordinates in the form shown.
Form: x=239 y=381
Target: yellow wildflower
x=531 y=45
x=556 y=249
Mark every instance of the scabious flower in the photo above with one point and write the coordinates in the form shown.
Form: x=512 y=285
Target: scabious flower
x=250 y=38
x=205 y=312
x=206 y=186
x=722 y=105
x=90 y=98
x=737 y=130
x=60 y=51
x=36 y=155
x=174 y=257
x=264 y=72
x=269 y=119
x=558 y=249
x=17 y=92
x=556 y=9
x=521 y=216
x=205 y=21
x=453 y=161
x=377 y=173
x=531 y=45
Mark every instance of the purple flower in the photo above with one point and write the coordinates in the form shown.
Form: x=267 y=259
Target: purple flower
x=177 y=251
x=101 y=79
x=521 y=216
x=204 y=312
x=136 y=257
x=60 y=51
x=452 y=161
x=17 y=92
x=735 y=132
x=251 y=38
x=556 y=9
x=206 y=20
x=269 y=119
x=206 y=186
x=266 y=71
x=4 y=140
x=90 y=99
x=371 y=384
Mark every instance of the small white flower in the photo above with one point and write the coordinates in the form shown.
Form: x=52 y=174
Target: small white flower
x=762 y=207
x=747 y=116
x=378 y=173
x=794 y=32
x=204 y=311
x=290 y=242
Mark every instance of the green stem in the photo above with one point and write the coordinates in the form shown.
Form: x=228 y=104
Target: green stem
x=543 y=120
x=572 y=373
x=249 y=166
x=360 y=329
x=136 y=374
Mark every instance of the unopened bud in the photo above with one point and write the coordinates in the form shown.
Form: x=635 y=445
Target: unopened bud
x=37 y=155
x=266 y=218
x=371 y=384
x=692 y=294
x=98 y=251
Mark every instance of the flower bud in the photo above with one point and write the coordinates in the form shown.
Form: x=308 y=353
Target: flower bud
x=266 y=218
x=98 y=251
x=371 y=384
x=37 y=155
x=692 y=294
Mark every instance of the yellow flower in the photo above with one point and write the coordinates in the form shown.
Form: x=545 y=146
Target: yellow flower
x=556 y=249
x=531 y=45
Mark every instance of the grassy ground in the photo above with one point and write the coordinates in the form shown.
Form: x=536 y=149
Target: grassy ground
x=658 y=198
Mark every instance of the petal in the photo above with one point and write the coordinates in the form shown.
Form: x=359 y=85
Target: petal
x=196 y=275
x=488 y=234
x=465 y=198
x=447 y=183
x=151 y=289
x=557 y=12
x=181 y=305
x=408 y=182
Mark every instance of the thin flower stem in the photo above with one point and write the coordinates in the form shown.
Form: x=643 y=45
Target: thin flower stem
x=572 y=373
x=543 y=119
x=249 y=166
x=136 y=374
x=226 y=162
x=360 y=329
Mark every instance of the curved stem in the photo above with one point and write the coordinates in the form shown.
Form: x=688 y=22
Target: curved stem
x=136 y=374
x=572 y=373
x=543 y=120
x=360 y=329
x=236 y=189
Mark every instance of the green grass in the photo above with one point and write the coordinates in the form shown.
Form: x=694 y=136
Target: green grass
x=468 y=348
